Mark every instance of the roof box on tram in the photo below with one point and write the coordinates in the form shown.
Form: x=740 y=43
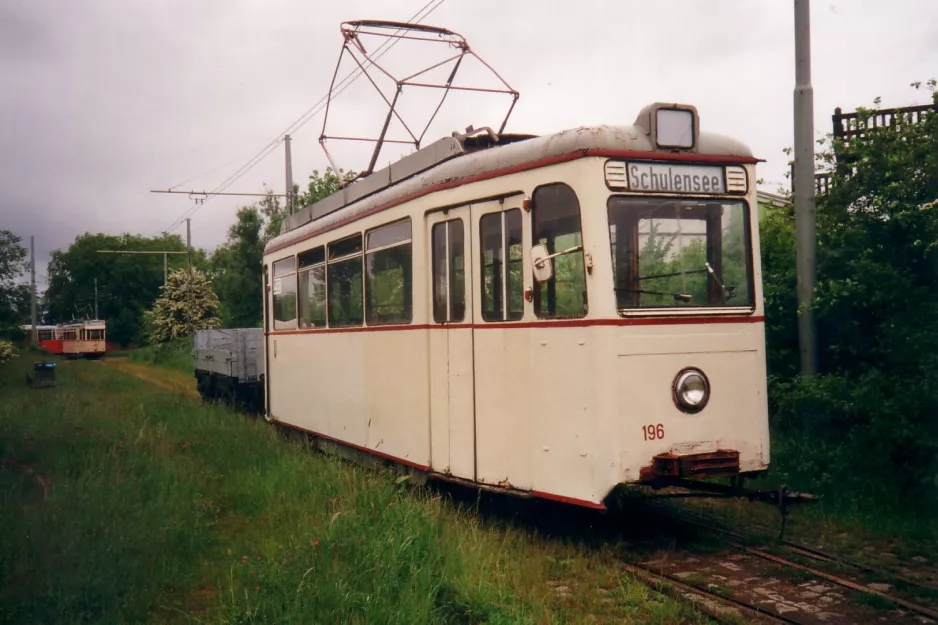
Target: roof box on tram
x=671 y=126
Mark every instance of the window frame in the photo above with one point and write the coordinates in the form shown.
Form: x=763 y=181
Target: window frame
x=365 y=273
x=747 y=309
x=505 y=317
x=536 y=286
x=285 y=275
x=301 y=268
x=360 y=255
x=449 y=281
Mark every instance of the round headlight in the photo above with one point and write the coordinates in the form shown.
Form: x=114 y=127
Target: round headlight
x=691 y=390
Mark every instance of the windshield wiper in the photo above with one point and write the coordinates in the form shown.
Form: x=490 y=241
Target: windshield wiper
x=671 y=275
x=728 y=292
x=678 y=297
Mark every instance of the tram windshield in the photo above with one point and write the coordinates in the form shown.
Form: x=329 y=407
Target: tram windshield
x=680 y=252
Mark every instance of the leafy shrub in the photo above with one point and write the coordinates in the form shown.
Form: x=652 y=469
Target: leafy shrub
x=187 y=303
x=872 y=410
x=7 y=352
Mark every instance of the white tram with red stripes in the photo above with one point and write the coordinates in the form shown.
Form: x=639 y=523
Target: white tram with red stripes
x=551 y=315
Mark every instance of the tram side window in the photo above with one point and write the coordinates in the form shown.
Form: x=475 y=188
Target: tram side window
x=344 y=275
x=449 y=272
x=556 y=226
x=502 y=281
x=284 y=292
x=311 y=292
x=389 y=277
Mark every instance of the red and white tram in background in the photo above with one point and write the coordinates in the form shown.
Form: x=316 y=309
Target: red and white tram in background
x=81 y=338
x=553 y=315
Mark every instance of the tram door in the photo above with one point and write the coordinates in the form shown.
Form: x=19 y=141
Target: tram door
x=268 y=298
x=452 y=400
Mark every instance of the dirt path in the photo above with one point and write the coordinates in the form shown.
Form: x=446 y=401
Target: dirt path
x=167 y=379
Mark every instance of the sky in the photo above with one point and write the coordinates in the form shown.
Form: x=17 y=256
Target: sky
x=103 y=100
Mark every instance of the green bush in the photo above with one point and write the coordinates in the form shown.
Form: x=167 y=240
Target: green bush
x=872 y=427
x=870 y=415
x=7 y=352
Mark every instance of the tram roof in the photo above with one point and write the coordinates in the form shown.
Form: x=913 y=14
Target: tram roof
x=454 y=161
x=86 y=323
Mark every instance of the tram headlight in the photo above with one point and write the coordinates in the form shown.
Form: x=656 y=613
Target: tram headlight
x=691 y=390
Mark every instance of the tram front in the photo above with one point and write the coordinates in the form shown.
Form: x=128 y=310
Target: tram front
x=683 y=234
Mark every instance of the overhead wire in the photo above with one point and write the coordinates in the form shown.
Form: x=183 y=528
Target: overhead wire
x=206 y=173
x=304 y=118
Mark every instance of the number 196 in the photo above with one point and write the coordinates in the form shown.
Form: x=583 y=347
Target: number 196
x=653 y=432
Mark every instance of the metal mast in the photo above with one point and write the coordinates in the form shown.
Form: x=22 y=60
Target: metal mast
x=805 y=220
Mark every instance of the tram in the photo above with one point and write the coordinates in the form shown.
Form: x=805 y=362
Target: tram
x=552 y=316
x=47 y=337
x=84 y=338
x=80 y=338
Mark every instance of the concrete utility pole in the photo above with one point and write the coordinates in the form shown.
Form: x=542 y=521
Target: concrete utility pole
x=34 y=334
x=289 y=166
x=803 y=185
x=96 y=298
x=188 y=241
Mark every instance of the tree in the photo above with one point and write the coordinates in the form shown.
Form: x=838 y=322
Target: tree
x=186 y=303
x=237 y=271
x=320 y=186
x=875 y=303
x=12 y=265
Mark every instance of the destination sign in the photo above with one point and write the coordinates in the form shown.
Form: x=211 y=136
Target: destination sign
x=675 y=178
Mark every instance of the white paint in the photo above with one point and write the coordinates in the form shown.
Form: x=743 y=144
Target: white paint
x=526 y=386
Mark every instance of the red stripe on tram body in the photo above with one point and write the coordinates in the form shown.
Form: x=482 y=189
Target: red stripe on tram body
x=518 y=325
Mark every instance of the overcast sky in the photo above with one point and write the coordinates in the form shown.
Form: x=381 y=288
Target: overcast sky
x=103 y=100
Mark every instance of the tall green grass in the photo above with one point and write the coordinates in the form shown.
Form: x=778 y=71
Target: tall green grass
x=163 y=509
x=175 y=355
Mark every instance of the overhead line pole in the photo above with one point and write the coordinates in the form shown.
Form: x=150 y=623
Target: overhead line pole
x=289 y=168
x=34 y=338
x=189 y=240
x=804 y=200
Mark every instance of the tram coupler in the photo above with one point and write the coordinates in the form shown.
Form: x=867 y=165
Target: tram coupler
x=781 y=497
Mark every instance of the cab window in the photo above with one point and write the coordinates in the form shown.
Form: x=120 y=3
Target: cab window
x=555 y=224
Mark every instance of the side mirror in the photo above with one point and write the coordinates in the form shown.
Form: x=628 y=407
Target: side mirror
x=541 y=263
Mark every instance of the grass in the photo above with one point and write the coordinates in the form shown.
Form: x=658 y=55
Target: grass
x=163 y=509
x=176 y=355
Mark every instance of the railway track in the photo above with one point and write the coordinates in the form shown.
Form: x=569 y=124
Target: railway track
x=778 y=589
x=818 y=555
x=717 y=606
